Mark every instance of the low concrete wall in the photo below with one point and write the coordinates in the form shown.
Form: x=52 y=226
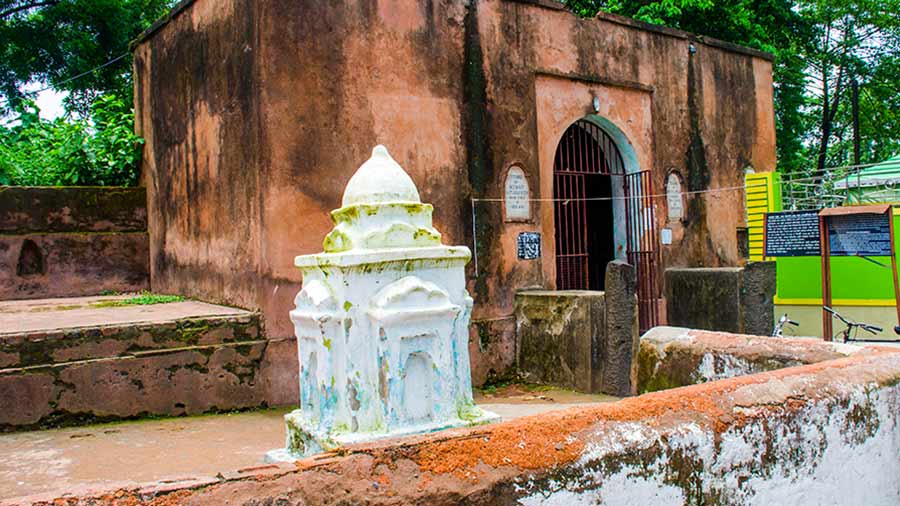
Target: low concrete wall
x=823 y=433
x=672 y=357
x=62 y=242
x=111 y=372
x=728 y=299
x=581 y=339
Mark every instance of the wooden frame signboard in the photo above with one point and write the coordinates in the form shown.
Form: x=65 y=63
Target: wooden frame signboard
x=861 y=231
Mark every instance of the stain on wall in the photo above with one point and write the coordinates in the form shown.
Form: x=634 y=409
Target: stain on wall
x=257 y=113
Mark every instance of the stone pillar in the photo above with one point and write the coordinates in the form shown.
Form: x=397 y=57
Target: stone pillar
x=620 y=348
x=758 y=298
x=381 y=322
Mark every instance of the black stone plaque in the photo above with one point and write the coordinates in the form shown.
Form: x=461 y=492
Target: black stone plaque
x=860 y=235
x=529 y=245
x=792 y=234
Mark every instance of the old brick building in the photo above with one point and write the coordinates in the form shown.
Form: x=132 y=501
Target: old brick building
x=257 y=112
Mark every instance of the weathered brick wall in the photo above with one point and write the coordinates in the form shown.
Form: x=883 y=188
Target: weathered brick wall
x=61 y=242
x=822 y=433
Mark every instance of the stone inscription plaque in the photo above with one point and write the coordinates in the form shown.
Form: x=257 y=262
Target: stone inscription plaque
x=674 y=197
x=517 y=195
x=529 y=245
x=792 y=234
x=859 y=235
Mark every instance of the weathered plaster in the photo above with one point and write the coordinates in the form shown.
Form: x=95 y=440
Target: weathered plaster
x=68 y=242
x=462 y=87
x=825 y=433
x=729 y=299
x=672 y=357
x=112 y=372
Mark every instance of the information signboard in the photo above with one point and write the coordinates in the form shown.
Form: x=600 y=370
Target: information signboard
x=792 y=234
x=859 y=235
x=862 y=231
x=529 y=246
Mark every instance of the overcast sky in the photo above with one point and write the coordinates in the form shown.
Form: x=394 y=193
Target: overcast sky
x=50 y=102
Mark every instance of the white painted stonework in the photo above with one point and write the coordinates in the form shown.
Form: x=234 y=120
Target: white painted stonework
x=839 y=450
x=381 y=322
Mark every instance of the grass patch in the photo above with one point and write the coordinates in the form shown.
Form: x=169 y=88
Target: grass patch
x=143 y=299
x=492 y=388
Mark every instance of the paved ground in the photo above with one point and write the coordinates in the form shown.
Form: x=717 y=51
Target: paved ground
x=111 y=455
x=17 y=316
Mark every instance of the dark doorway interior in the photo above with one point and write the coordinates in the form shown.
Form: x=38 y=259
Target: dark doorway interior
x=600 y=240
x=586 y=165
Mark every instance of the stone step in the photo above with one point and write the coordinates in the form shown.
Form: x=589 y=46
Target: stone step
x=75 y=361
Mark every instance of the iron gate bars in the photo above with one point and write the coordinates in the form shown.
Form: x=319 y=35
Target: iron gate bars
x=586 y=151
x=643 y=250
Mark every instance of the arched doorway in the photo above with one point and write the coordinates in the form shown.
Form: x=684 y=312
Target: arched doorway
x=597 y=198
x=586 y=161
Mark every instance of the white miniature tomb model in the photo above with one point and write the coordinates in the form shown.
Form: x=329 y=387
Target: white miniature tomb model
x=381 y=322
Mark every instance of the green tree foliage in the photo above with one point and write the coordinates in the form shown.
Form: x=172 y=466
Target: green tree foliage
x=55 y=41
x=101 y=151
x=79 y=47
x=853 y=63
x=820 y=48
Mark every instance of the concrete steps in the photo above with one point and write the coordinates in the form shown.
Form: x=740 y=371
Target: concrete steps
x=83 y=360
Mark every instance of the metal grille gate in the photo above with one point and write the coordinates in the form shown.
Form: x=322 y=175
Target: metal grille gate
x=586 y=151
x=643 y=252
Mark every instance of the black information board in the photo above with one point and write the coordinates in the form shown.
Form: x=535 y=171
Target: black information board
x=860 y=235
x=529 y=245
x=792 y=234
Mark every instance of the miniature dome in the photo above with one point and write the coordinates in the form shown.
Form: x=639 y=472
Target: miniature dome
x=380 y=180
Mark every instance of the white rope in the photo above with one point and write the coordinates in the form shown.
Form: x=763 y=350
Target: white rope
x=633 y=197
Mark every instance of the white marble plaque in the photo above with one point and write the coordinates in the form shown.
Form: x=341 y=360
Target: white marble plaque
x=517 y=195
x=674 y=197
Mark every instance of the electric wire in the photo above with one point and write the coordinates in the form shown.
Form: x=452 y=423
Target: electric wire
x=68 y=80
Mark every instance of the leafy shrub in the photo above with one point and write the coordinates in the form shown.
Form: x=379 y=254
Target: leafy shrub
x=99 y=151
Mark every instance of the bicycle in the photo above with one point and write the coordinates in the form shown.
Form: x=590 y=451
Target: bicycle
x=853 y=328
x=779 y=327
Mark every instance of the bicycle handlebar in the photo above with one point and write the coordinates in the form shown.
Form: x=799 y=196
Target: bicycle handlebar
x=835 y=313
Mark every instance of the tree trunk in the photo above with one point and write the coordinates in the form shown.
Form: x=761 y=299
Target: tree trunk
x=826 y=125
x=855 y=104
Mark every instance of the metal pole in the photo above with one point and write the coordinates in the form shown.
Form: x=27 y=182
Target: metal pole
x=825 y=247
